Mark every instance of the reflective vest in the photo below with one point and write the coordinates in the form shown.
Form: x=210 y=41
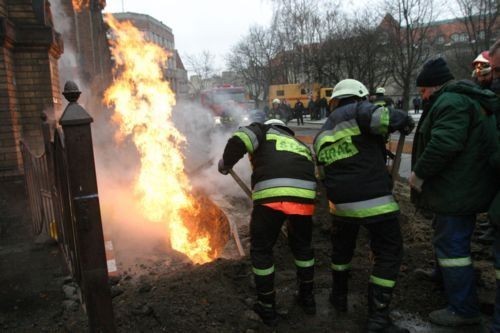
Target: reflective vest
x=351 y=150
x=283 y=167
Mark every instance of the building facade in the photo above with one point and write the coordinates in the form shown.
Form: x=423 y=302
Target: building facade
x=162 y=35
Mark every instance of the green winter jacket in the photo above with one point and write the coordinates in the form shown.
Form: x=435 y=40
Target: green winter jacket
x=452 y=149
x=494 y=210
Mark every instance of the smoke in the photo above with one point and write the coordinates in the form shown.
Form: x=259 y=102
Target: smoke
x=118 y=164
x=205 y=145
x=68 y=63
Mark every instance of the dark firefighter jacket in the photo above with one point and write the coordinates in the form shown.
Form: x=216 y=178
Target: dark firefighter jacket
x=351 y=147
x=452 y=151
x=283 y=168
x=382 y=100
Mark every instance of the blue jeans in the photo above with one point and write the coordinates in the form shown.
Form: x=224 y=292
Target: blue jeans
x=452 y=237
x=496 y=251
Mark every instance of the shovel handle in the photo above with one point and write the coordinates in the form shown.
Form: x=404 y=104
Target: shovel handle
x=240 y=182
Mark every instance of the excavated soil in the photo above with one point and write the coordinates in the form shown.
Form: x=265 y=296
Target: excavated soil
x=166 y=293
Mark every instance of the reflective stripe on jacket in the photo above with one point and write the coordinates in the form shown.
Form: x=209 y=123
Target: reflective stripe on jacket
x=283 y=168
x=351 y=147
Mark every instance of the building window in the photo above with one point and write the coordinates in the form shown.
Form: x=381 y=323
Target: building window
x=454 y=37
x=463 y=37
x=280 y=93
x=440 y=40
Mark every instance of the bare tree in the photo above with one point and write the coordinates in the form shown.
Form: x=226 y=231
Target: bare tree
x=302 y=26
x=480 y=18
x=406 y=26
x=252 y=58
x=203 y=66
x=480 y=22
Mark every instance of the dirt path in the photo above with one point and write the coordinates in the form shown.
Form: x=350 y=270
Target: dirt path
x=165 y=293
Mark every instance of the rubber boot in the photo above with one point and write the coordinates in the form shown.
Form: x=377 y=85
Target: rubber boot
x=379 y=299
x=266 y=308
x=305 y=297
x=338 y=297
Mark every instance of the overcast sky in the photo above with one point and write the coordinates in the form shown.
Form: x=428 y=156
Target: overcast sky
x=198 y=25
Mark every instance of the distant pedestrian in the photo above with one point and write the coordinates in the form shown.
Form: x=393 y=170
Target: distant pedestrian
x=299 y=112
x=399 y=103
x=417 y=103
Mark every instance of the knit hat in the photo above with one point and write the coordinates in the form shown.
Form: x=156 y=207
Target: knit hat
x=434 y=73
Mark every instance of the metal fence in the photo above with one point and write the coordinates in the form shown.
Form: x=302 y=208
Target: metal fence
x=62 y=192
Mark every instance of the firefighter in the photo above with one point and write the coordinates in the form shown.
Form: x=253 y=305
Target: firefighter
x=381 y=99
x=350 y=149
x=284 y=187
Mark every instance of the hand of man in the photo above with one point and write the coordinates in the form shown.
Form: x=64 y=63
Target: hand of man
x=415 y=182
x=410 y=125
x=223 y=168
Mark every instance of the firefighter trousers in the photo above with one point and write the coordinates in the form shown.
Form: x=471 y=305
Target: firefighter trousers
x=265 y=226
x=386 y=244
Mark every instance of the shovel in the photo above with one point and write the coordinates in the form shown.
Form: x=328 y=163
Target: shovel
x=397 y=158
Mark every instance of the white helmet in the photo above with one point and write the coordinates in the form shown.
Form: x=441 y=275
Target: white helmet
x=274 y=122
x=276 y=101
x=349 y=87
x=483 y=57
x=380 y=90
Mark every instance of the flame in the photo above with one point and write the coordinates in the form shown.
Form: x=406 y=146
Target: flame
x=78 y=5
x=143 y=103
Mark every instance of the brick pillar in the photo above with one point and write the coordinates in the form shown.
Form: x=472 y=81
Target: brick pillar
x=10 y=122
x=29 y=79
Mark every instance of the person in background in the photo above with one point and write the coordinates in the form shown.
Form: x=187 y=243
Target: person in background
x=417 y=103
x=483 y=76
x=275 y=111
x=399 y=103
x=381 y=99
x=481 y=73
x=452 y=177
x=299 y=112
x=310 y=107
x=284 y=188
x=350 y=149
x=323 y=106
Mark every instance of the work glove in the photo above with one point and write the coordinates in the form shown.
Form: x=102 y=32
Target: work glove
x=410 y=125
x=224 y=169
x=415 y=182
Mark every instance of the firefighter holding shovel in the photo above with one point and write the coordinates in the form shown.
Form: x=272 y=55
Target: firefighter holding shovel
x=283 y=188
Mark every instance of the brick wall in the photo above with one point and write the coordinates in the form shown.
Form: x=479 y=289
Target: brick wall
x=29 y=80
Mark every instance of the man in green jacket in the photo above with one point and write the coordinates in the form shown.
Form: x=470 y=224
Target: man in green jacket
x=452 y=177
x=494 y=211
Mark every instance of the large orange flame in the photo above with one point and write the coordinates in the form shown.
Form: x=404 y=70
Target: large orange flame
x=143 y=103
x=78 y=5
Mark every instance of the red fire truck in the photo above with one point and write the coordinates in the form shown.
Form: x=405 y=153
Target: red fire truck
x=219 y=98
